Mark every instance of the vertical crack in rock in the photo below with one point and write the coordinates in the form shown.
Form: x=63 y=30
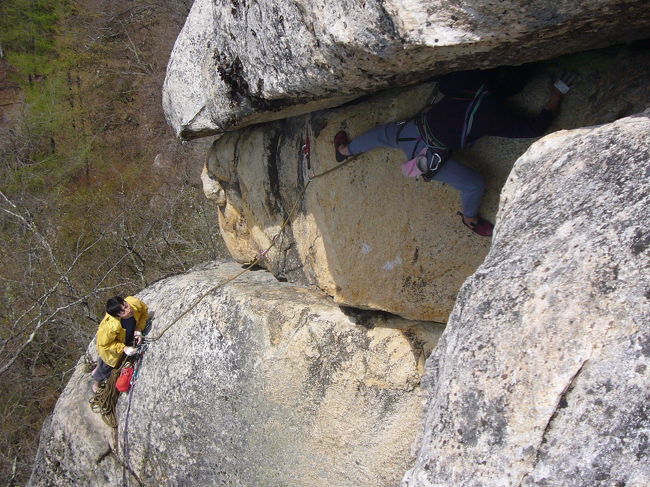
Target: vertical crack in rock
x=288 y=264
x=561 y=404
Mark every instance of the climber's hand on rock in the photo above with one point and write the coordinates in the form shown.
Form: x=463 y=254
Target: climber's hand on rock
x=565 y=82
x=558 y=89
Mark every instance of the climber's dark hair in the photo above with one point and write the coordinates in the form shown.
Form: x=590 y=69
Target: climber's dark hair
x=114 y=306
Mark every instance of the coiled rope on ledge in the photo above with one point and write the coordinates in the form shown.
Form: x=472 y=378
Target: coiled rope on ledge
x=103 y=401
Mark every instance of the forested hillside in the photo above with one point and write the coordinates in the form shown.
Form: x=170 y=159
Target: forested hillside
x=97 y=196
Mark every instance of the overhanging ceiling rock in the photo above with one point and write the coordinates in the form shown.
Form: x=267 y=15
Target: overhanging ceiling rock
x=238 y=62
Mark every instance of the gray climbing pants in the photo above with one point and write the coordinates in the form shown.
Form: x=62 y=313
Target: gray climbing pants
x=466 y=180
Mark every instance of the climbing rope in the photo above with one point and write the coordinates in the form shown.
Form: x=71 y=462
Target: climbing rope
x=126 y=450
x=306 y=151
x=104 y=401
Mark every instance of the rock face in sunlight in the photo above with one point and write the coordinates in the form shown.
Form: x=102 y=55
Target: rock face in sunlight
x=364 y=234
x=237 y=62
x=307 y=372
x=262 y=383
x=542 y=375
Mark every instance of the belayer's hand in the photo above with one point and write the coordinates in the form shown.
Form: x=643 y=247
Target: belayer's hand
x=130 y=351
x=138 y=337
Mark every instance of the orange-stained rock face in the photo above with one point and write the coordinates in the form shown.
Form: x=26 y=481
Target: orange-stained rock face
x=364 y=234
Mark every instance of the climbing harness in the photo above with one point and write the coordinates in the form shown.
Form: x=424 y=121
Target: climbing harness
x=428 y=160
x=425 y=161
x=432 y=153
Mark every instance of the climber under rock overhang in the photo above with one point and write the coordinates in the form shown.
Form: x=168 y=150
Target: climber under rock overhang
x=470 y=108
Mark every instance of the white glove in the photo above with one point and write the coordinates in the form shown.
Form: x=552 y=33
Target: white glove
x=130 y=351
x=565 y=82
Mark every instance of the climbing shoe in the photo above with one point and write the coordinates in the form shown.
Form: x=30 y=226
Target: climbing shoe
x=482 y=227
x=341 y=138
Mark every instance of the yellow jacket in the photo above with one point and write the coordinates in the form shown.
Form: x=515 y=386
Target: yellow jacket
x=111 y=336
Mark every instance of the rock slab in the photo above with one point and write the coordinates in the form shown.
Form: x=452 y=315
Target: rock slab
x=363 y=233
x=541 y=377
x=261 y=383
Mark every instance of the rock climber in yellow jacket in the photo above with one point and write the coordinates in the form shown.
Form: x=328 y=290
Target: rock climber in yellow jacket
x=119 y=331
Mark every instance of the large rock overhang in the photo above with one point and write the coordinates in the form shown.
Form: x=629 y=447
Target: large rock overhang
x=239 y=63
